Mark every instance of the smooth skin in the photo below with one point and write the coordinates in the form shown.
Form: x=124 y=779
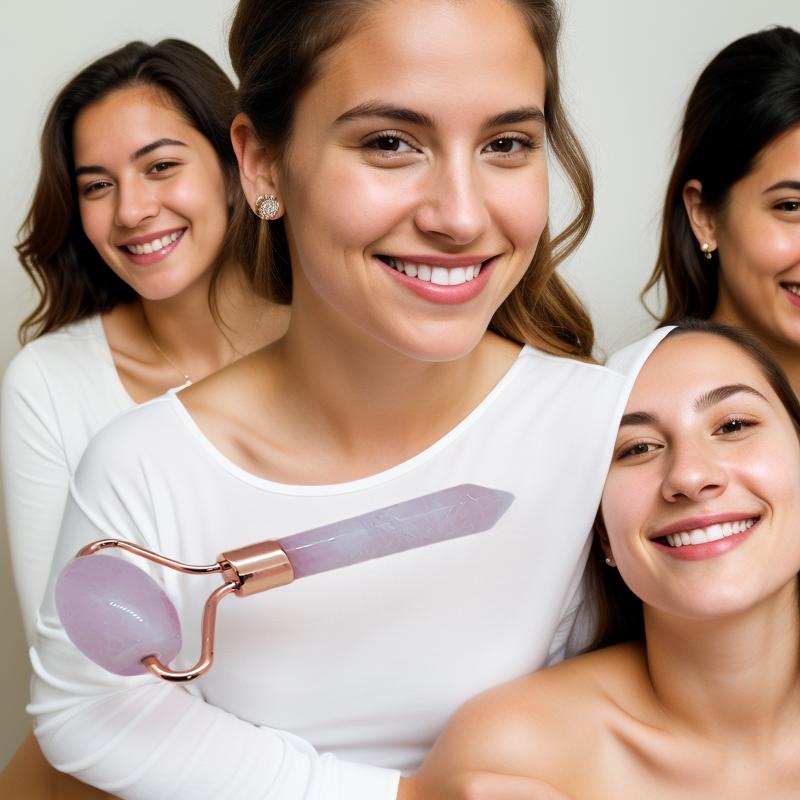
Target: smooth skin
x=709 y=705
x=143 y=170
x=370 y=373
x=757 y=238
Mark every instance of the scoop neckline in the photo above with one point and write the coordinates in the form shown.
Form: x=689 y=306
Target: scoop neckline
x=359 y=484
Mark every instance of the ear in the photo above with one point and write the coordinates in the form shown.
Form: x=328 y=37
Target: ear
x=258 y=166
x=602 y=536
x=700 y=216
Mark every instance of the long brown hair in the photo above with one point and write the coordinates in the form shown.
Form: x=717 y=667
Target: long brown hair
x=71 y=279
x=275 y=49
x=616 y=609
x=747 y=96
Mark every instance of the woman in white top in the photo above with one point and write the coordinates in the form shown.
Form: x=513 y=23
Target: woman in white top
x=394 y=159
x=124 y=243
x=699 y=694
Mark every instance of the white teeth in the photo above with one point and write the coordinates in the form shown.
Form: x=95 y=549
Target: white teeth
x=442 y=276
x=152 y=247
x=458 y=275
x=710 y=534
x=793 y=288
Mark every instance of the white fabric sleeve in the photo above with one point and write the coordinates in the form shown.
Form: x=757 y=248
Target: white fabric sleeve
x=35 y=479
x=144 y=739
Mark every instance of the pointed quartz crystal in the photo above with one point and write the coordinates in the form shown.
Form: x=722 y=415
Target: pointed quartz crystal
x=447 y=514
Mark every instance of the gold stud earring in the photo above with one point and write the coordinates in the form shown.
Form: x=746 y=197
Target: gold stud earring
x=267 y=207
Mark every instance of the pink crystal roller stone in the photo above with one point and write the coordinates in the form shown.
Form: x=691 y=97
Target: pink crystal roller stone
x=120 y=618
x=116 y=614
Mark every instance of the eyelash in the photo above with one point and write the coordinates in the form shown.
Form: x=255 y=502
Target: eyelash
x=158 y=168
x=372 y=143
x=742 y=422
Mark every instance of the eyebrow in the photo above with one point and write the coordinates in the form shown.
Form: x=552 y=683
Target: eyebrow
x=372 y=108
x=722 y=393
x=142 y=151
x=702 y=403
x=783 y=185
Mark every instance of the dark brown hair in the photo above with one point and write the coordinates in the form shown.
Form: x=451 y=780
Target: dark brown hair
x=617 y=610
x=746 y=97
x=71 y=279
x=275 y=49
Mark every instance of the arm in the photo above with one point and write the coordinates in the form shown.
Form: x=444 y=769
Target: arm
x=143 y=738
x=35 y=479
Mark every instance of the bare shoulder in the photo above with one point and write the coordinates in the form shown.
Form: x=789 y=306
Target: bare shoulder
x=541 y=725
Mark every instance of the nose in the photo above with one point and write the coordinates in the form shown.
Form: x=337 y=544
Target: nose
x=453 y=207
x=694 y=472
x=136 y=202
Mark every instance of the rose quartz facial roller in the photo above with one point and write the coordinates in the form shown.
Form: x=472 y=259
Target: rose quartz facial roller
x=120 y=618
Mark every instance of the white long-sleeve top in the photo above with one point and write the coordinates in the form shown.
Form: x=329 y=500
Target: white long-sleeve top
x=323 y=689
x=58 y=391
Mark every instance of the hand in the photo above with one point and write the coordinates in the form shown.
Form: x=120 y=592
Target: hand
x=479 y=786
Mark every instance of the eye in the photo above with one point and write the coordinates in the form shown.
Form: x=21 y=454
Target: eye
x=94 y=187
x=389 y=143
x=511 y=145
x=735 y=425
x=788 y=205
x=632 y=450
x=162 y=166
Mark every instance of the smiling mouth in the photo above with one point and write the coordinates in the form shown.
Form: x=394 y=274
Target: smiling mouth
x=794 y=288
x=155 y=245
x=711 y=533
x=431 y=273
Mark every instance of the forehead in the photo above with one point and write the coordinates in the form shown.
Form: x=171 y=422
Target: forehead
x=126 y=118
x=438 y=53
x=686 y=365
x=779 y=160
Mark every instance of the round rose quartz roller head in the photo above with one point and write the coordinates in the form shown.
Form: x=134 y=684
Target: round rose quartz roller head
x=120 y=618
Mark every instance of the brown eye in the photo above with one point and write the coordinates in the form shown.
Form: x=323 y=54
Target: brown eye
x=502 y=145
x=391 y=143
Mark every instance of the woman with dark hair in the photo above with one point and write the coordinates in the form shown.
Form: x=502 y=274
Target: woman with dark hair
x=394 y=159
x=124 y=242
x=730 y=235
x=698 y=527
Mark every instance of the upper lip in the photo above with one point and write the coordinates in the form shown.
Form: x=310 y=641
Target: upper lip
x=149 y=237
x=449 y=262
x=690 y=523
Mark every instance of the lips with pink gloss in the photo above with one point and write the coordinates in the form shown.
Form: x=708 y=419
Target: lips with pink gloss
x=698 y=538
x=793 y=298
x=425 y=275
x=159 y=244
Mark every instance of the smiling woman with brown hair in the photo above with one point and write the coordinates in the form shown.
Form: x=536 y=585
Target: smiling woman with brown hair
x=125 y=243
x=700 y=697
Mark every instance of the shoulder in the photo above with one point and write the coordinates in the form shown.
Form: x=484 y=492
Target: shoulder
x=541 y=725
x=72 y=349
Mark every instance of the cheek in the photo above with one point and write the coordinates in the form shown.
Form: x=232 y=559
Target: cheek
x=96 y=222
x=624 y=509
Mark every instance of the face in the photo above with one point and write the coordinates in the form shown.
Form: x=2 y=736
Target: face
x=703 y=496
x=415 y=182
x=151 y=192
x=758 y=236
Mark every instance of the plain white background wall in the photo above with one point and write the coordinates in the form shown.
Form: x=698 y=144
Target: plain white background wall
x=628 y=66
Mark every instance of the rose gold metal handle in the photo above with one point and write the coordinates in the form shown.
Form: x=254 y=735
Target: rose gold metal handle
x=247 y=570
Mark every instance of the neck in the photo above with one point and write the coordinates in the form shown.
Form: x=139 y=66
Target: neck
x=369 y=403
x=731 y=678
x=192 y=339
